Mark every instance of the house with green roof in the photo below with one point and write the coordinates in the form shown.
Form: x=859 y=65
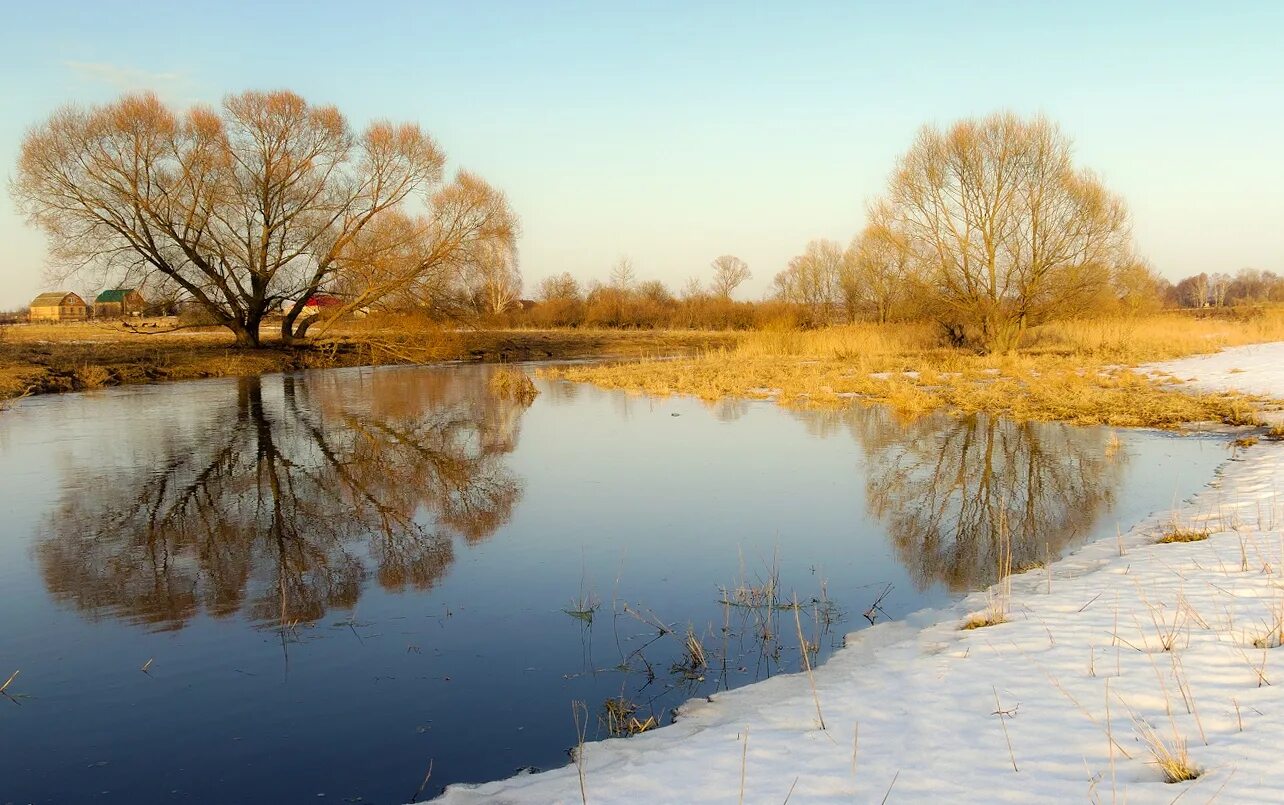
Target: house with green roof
x=119 y=302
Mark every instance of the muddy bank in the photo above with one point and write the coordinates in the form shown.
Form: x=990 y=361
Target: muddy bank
x=52 y=359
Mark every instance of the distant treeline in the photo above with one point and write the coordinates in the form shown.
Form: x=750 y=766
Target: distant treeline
x=562 y=301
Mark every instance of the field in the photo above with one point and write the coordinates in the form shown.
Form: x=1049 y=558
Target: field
x=50 y=358
x=1078 y=372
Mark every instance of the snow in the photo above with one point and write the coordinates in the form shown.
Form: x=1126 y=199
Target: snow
x=910 y=706
x=1254 y=369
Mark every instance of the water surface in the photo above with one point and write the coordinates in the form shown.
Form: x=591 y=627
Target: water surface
x=266 y=589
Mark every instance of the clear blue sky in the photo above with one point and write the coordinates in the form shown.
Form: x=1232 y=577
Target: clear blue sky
x=674 y=132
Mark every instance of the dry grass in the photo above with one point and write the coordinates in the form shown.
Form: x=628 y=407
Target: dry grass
x=984 y=618
x=1071 y=371
x=1275 y=433
x=511 y=383
x=1176 y=535
x=619 y=716
x=51 y=358
x=1170 y=755
x=999 y=595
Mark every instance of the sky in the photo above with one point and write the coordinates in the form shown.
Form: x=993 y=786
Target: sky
x=672 y=133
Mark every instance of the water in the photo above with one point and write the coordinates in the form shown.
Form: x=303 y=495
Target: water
x=265 y=590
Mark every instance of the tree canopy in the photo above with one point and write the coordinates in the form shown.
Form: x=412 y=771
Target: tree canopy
x=1004 y=231
x=258 y=205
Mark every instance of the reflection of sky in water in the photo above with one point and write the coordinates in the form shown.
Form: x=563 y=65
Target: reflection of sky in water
x=459 y=527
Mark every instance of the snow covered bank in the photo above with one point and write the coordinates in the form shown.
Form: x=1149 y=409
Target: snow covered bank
x=1114 y=641
x=1254 y=369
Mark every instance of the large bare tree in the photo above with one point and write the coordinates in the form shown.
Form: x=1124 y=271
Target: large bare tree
x=251 y=207
x=1008 y=233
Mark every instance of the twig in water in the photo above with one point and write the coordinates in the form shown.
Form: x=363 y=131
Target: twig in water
x=147 y=665
x=424 y=784
x=875 y=608
x=4 y=687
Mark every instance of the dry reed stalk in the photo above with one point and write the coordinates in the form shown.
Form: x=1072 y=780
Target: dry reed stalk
x=855 y=746
x=811 y=677
x=999 y=595
x=1002 y=714
x=579 y=708
x=1110 y=743
x=744 y=762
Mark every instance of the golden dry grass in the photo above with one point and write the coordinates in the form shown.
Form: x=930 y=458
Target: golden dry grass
x=1171 y=756
x=1178 y=535
x=49 y=358
x=1072 y=371
x=511 y=383
x=980 y=620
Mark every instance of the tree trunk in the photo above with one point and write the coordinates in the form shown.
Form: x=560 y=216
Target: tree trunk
x=245 y=338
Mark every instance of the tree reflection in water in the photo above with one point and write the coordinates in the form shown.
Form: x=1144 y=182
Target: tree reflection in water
x=947 y=488
x=284 y=499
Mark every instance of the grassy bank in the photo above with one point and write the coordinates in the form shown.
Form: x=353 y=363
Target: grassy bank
x=43 y=359
x=1071 y=371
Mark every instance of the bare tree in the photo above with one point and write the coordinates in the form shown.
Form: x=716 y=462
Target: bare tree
x=876 y=268
x=811 y=280
x=623 y=275
x=254 y=206
x=1193 y=291
x=693 y=289
x=1218 y=285
x=501 y=280
x=1008 y=233
x=449 y=262
x=562 y=300
x=729 y=272
x=559 y=287
x=1138 y=288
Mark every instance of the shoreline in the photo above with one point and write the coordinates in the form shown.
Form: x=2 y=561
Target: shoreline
x=31 y=365
x=1161 y=637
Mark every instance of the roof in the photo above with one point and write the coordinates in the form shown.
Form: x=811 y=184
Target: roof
x=322 y=300
x=114 y=295
x=54 y=299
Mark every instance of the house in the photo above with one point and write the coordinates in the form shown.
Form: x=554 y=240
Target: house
x=58 y=306
x=119 y=302
x=320 y=303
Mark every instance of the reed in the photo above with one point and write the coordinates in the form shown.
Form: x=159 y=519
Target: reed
x=511 y=383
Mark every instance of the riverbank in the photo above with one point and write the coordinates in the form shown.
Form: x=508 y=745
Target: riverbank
x=1123 y=654
x=1078 y=372
x=45 y=359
